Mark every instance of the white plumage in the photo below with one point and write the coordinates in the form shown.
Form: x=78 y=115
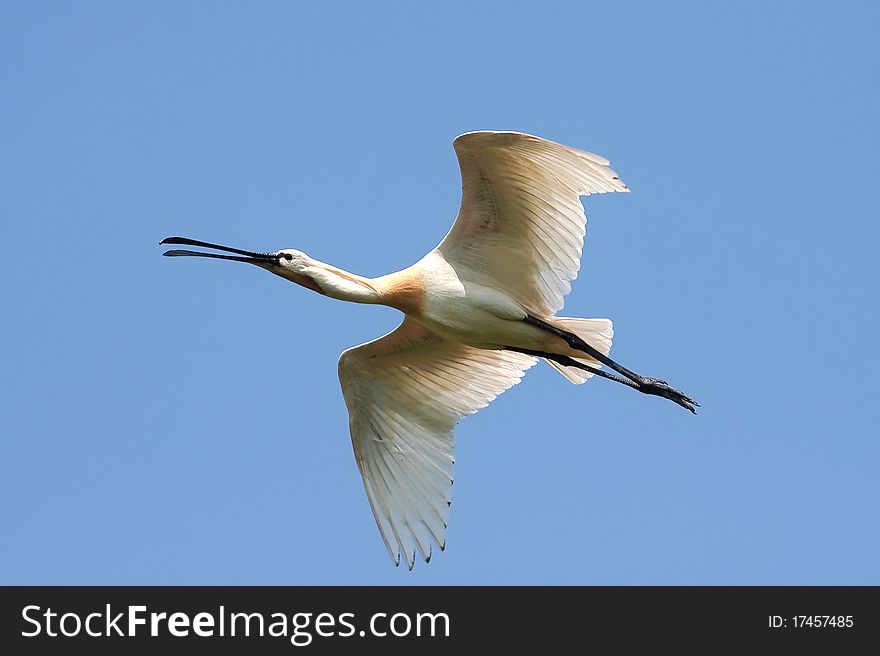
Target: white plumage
x=521 y=224
x=405 y=393
x=519 y=231
x=478 y=310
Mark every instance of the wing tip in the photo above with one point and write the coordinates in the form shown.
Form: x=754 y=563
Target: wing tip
x=619 y=185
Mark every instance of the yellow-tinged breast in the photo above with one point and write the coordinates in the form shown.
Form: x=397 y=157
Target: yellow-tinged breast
x=404 y=290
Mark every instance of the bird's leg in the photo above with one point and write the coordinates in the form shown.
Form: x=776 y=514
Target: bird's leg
x=643 y=384
x=566 y=361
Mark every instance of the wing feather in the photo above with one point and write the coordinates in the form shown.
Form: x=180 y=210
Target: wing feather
x=521 y=224
x=405 y=393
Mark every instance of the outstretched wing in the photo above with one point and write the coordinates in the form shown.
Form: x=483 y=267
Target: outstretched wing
x=405 y=393
x=521 y=224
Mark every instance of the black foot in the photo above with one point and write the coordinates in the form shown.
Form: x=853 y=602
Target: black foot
x=659 y=387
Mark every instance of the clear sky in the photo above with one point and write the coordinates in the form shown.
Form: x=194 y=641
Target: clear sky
x=180 y=421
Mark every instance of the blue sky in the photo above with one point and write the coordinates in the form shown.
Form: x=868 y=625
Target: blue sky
x=180 y=421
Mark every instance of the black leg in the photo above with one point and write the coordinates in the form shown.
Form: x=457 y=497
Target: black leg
x=566 y=361
x=652 y=386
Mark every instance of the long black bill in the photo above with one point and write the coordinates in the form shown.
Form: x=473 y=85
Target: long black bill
x=243 y=256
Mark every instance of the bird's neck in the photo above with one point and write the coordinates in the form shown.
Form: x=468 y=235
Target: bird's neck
x=340 y=284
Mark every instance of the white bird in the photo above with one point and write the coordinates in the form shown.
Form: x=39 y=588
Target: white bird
x=478 y=310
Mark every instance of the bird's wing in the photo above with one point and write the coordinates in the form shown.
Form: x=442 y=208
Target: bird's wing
x=405 y=393
x=521 y=224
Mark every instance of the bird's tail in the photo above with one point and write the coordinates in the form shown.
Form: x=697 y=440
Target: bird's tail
x=595 y=332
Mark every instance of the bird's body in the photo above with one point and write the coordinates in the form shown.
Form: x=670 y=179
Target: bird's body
x=478 y=310
x=433 y=294
x=468 y=312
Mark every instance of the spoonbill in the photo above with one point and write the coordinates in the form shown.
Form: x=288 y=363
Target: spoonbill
x=478 y=310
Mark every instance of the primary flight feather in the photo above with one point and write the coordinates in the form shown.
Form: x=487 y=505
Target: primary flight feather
x=479 y=309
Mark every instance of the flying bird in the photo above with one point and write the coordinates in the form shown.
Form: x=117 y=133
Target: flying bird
x=478 y=310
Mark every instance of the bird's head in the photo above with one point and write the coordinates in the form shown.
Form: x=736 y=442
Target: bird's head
x=288 y=263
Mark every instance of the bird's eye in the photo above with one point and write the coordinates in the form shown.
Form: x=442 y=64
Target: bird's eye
x=287 y=256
